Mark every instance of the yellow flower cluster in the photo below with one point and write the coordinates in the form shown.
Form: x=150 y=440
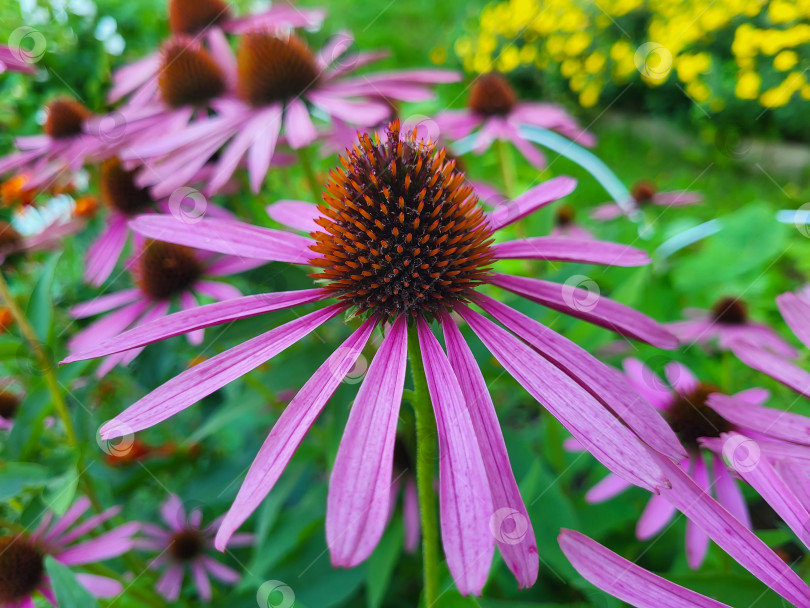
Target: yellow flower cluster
x=593 y=44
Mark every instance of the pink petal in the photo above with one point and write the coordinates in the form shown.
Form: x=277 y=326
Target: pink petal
x=218 y=290
x=105 y=251
x=681 y=377
x=677 y=198
x=518 y=546
x=605 y=383
x=796 y=313
x=697 y=541
x=410 y=516
x=260 y=153
x=728 y=493
x=647 y=383
x=292 y=425
x=768 y=421
x=571 y=250
x=228 y=237
x=189 y=302
x=775 y=366
x=612 y=443
x=656 y=515
x=203 y=379
x=108 y=326
x=220 y=571
x=71 y=516
x=99 y=586
x=624 y=579
x=111 y=544
x=105 y=303
x=171 y=582
x=732 y=536
x=607 y=488
x=295 y=214
x=201 y=580
x=465 y=500
x=608 y=211
x=199 y=318
x=531 y=201
x=360 y=485
x=298 y=126
x=589 y=306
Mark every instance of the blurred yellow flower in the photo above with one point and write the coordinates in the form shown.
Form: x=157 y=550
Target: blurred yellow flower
x=748 y=84
x=785 y=60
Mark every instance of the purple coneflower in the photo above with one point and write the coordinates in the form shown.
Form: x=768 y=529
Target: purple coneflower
x=700 y=416
x=164 y=273
x=65 y=145
x=186 y=544
x=495 y=108
x=22 y=555
x=642 y=195
x=195 y=19
x=401 y=240
x=279 y=80
x=729 y=324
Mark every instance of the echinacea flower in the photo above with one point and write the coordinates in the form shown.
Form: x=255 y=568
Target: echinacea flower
x=794 y=308
x=565 y=224
x=279 y=80
x=164 y=274
x=15 y=60
x=9 y=405
x=699 y=414
x=22 y=555
x=65 y=145
x=186 y=546
x=401 y=240
x=643 y=194
x=728 y=324
x=496 y=109
x=206 y=19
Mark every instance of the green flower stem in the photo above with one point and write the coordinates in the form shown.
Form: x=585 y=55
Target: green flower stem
x=309 y=173
x=506 y=167
x=425 y=463
x=51 y=381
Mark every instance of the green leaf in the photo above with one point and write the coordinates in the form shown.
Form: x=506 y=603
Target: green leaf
x=382 y=562
x=40 y=305
x=18 y=476
x=69 y=593
x=61 y=491
x=29 y=422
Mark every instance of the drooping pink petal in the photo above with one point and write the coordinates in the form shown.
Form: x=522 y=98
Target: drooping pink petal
x=681 y=377
x=647 y=383
x=71 y=516
x=781 y=498
x=571 y=250
x=796 y=313
x=775 y=366
x=465 y=500
x=220 y=571
x=260 y=153
x=518 y=547
x=228 y=237
x=203 y=379
x=360 y=486
x=88 y=525
x=298 y=125
x=189 y=302
x=608 y=211
x=410 y=516
x=677 y=198
x=589 y=306
x=769 y=421
x=656 y=515
x=728 y=492
x=292 y=425
x=105 y=251
x=218 y=290
x=605 y=383
x=171 y=582
x=111 y=544
x=601 y=433
x=199 y=318
x=624 y=579
x=108 y=326
x=697 y=541
x=295 y=214
x=531 y=200
x=610 y=486
x=99 y=586
x=105 y=303
x=201 y=581
x=732 y=536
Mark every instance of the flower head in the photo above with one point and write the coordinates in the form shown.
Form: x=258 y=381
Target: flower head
x=22 y=555
x=400 y=240
x=186 y=545
x=189 y=75
x=643 y=194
